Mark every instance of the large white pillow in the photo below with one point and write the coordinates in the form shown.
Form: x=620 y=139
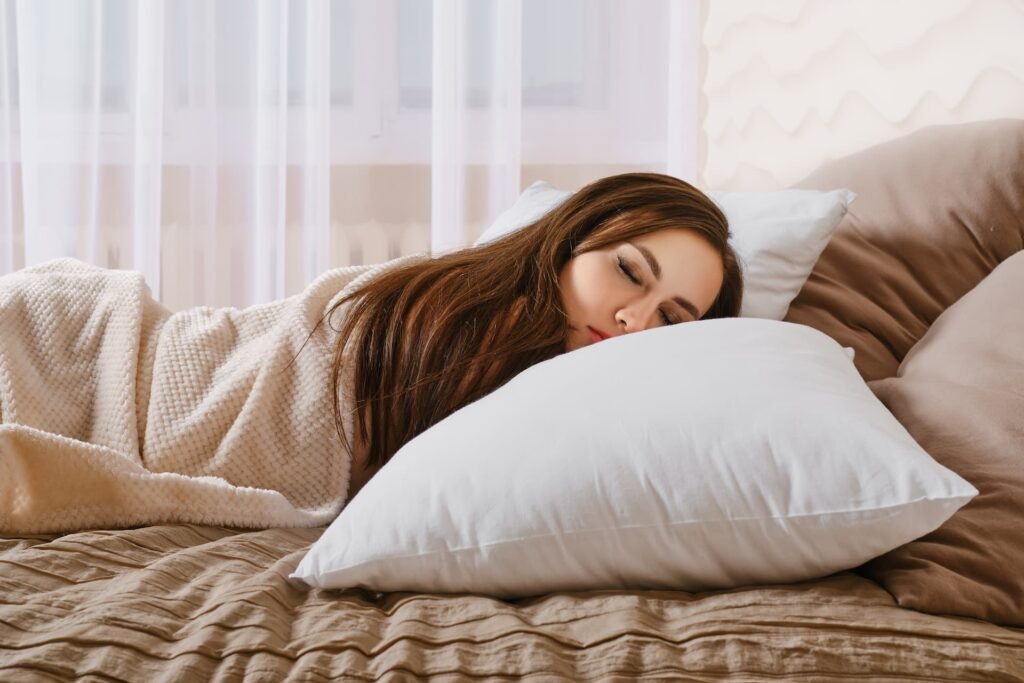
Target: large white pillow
x=704 y=455
x=778 y=236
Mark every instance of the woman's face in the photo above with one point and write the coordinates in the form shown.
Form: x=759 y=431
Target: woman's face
x=661 y=278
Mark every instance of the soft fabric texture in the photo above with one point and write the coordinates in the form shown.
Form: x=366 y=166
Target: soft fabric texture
x=936 y=211
x=777 y=236
x=115 y=412
x=711 y=454
x=187 y=603
x=960 y=393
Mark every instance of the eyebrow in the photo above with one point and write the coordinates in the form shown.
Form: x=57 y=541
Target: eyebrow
x=656 y=269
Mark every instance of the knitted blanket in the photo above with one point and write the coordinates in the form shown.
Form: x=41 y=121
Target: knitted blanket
x=116 y=412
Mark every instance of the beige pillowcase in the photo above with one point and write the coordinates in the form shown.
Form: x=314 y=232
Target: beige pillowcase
x=960 y=393
x=936 y=211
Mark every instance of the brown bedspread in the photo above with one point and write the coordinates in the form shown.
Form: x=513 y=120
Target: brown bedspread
x=209 y=603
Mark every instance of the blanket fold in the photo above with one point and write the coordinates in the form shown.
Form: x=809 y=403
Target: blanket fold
x=116 y=412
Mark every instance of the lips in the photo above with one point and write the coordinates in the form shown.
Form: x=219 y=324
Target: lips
x=597 y=335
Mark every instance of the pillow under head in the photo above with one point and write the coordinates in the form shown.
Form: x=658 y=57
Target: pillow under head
x=777 y=236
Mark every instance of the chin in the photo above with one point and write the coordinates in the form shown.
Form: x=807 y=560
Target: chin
x=571 y=345
x=577 y=338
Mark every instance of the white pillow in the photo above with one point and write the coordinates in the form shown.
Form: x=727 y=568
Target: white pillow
x=705 y=455
x=778 y=236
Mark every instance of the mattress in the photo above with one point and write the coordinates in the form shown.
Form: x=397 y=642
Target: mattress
x=209 y=603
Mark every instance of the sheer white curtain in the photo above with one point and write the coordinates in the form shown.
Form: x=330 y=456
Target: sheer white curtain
x=232 y=150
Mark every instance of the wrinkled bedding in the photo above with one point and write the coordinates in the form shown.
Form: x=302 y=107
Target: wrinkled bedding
x=211 y=603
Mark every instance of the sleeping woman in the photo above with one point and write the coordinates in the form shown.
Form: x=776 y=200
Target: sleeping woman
x=117 y=412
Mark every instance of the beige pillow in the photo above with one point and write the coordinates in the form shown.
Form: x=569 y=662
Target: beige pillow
x=936 y=211
x=960 y=393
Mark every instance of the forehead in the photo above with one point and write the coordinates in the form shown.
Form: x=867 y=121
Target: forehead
x=671 y=245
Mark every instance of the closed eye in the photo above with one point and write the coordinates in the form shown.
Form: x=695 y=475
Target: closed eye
x=629 y=273
x=636 y=281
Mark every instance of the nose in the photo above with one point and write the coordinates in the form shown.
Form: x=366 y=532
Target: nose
x=633 y=318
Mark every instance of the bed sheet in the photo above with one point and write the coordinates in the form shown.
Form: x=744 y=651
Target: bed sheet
x=184 y=602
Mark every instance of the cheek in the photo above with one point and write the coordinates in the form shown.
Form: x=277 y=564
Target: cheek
x=570 y=295
x=594 y=284
x=586 y=286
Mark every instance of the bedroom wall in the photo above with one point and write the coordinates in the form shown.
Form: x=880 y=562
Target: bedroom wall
x=792 y=83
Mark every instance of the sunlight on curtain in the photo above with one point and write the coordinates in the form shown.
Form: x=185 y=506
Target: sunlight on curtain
x=233 y=150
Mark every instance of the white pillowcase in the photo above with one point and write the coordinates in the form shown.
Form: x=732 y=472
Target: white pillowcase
x=778 y=236
x=705 y=455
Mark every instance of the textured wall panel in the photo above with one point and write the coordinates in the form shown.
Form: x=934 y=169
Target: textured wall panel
x=793 y=83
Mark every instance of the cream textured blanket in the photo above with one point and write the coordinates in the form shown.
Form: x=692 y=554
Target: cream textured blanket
x=115 y=412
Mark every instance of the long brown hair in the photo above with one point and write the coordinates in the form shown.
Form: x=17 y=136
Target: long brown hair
x=425 y=338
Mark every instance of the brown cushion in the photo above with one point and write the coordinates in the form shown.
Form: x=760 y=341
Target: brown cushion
x=935 y=212
x=960 y=393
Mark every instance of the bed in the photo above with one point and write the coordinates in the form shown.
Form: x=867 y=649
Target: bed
x=204 y=603
x=911 y=278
